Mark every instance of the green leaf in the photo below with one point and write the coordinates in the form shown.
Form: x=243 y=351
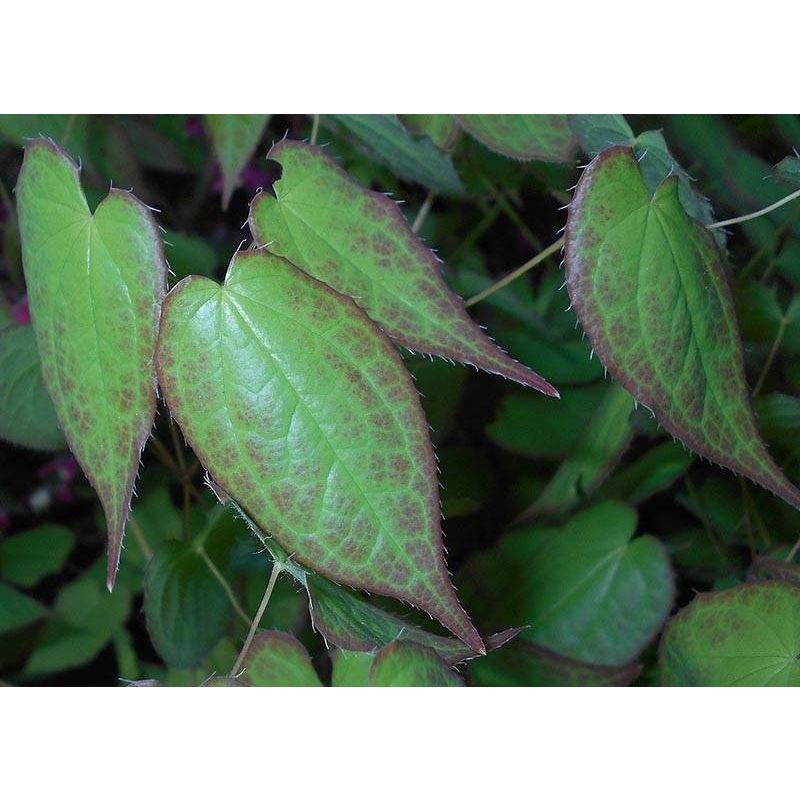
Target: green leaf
x=95 y=284
x=359 y=243
x=302 y=412
x=589 y=590
x=441 y=128
x=606 y=437
x=187 y=610
x=744 y=636
x=351 y=623
x=350 y=668
x=525 y=664
x=410 y=664
x=27 y=417
x=234 y=138
x=276 y=658
x=27 y=557
x=17 y=610
x=789 y=170
x=525 y=137
x=598 y=132
x=649 y=287
x=412 y=158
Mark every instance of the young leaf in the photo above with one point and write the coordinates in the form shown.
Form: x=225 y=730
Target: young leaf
x=27 y=557
x=351 y=623
x=187 y=610
x=649 y=287
x=410 y=664
x=525 y=664
x=28 y=417
x=235 y=138
x=276 y=658
x=526 y=137
x=358 y=242
x=745 y=636
x=588 y=591
x=95 y=284
x=413 y=158
x=303 y=413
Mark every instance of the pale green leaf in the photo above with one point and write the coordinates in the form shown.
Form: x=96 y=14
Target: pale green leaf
x=526 y=137
x=410 y=664
x=276 y=658
x=350 y=668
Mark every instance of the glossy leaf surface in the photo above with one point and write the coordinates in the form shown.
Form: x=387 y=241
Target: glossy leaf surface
x=303 y=413
x=745 y=636
x=526 y=137
x=648 y=284
x=410 y=664
x=27 y=416
x=95 y=284
x=235 y=138
x=358 y=242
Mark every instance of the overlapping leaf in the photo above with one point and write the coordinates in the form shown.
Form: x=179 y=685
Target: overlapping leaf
x=358 y=242
x=745 y=636
x=526 y=137
x=235 y=138
x=276 y=658
x=303 y=413
x=29 y=556
x=410 y=664
x=648 y=284
x=95 y=284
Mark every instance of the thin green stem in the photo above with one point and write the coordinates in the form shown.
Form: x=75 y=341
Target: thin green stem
x=530 y=264
x=140 y=538
x=423 y=211
x=277 y=568
x=212 y=568
x=314 y=129
x=771 y=357
x=755 y=214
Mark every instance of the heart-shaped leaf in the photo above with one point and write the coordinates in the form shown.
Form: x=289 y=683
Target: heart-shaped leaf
x=588 y=590
x=358 y=242
x=413 y=158
x=95 y=284
x=235 y=138
x=649 y=287
x=303 y=413
x=187 y=610
x=411 y=664
x=17 y=609
x=744 y=636
x=276 y=658
x=27 y=417
x=526 y=137
x=350 y=668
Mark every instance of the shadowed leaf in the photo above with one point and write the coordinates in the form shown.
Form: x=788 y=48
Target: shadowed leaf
x=303 y=413
x=358 y=242
x=27 y=557
x=526 y=137
x=598 y=132
x=410 y=664
x=235 y=138
x=27 y=417
x=745 y=636
x=649 y=287
x=95 y=284
x=17 y=609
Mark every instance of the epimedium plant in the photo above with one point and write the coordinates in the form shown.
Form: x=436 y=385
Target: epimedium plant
x=292 y=380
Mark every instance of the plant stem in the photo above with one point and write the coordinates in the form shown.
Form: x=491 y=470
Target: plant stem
x=771 y=357
x=314 y=129
x=756 y=214
x=538 y=258
x=423 y=211
x=277 y=568
x=212 y=568
x=140 y=539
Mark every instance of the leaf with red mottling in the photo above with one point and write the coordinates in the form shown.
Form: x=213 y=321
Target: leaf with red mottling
x=302 y=411
x=648 y=284
x=276 y=658
x=526 y=137
x=358 y=242
x=95 y=284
